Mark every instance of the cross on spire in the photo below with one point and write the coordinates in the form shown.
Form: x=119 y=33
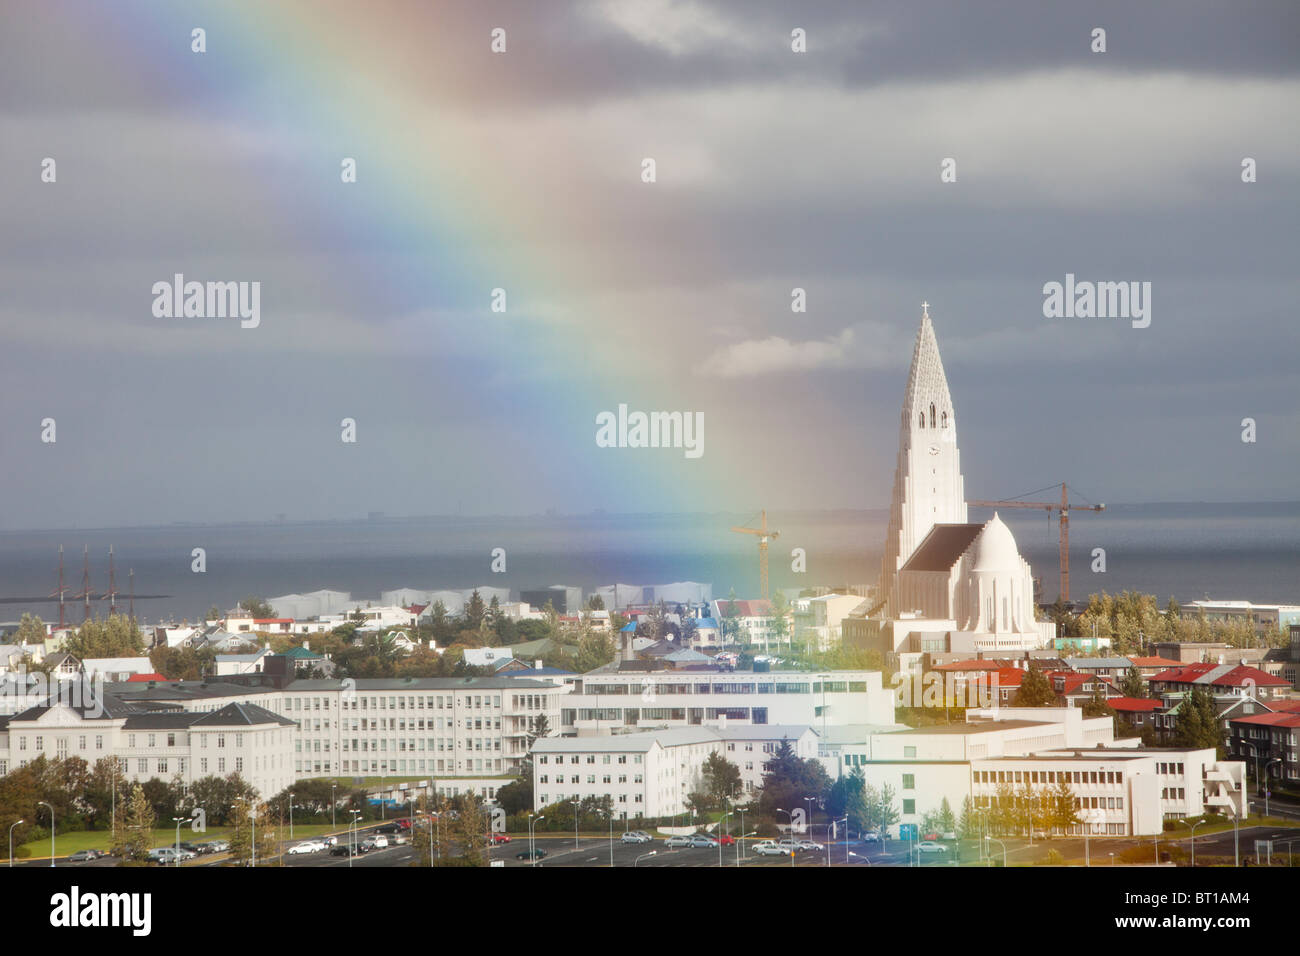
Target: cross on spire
x=925 y=310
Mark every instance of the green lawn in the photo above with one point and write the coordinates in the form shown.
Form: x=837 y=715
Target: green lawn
x=65 y=843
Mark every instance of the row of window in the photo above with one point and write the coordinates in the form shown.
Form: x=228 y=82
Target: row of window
x=1097 y=777
x=591 y=778
x=591 y=758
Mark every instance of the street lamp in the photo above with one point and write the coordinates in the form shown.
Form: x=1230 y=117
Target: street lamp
x=1193 y=826
x=723 y=820
x=575 y=823
x=290 y=816
x=532 y=845
x=51 y=806
x=789 y=814
x=1266 y=787
x=643 y=856
x=11 y=842
x=178 y=821
x=334 y=823
x=845 y=821
x=859 y=856
x=741 y=851
x=1004 y=849
x=352 y=836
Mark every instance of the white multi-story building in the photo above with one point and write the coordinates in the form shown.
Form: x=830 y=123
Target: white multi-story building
x=446 y=727
x=1120 y=788
x=649 y=774
x=608 y=700
x=235 y=738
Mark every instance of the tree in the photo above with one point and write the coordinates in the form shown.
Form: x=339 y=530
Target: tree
x=968 y=824
x=788 y=779
x=595 y=649
x=1132 y=684
x=113 y=636
x=1063 y=808
x=256 y=607
x=690 y=627
x=655 y=621
x=595 y=603
x=1197 y=724
x=214 y=614
x=881 y=807
x=721 y=779
x=31 y=630
x=1035 y=690
x=1097 y=706
x=780 y=618
x=251 y=824
x=133 y=837
x=729 y=625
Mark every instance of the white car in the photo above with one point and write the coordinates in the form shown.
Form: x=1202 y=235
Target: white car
x=311 y=846
x=769 y=849
x=635 y=836
x=810 y=845
x=929 y=846
x=376 y=842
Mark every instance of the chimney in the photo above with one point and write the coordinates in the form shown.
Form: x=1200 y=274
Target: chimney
x=628 y=653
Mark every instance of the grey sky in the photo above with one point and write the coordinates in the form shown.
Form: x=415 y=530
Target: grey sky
x=776 y=170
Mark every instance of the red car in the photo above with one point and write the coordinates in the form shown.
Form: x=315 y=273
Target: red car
x=726 y=840
x=500 y=838
x=403 y=824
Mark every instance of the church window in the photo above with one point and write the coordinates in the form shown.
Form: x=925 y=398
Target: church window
x=944 y=420
x=922 y=419
x=932 y=414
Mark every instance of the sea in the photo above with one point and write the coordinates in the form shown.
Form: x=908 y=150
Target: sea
x=1182 y=550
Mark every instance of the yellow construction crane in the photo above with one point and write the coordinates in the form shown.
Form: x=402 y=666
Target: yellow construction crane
x=763 y=534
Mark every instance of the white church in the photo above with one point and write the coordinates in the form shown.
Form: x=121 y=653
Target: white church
x=947 y=584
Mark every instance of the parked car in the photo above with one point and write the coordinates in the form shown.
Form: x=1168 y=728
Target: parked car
x=85 y=856
x=330 y=841
x=499 y=838
x=930 y=846
x=375 y=842
x=196 y=848
x=220 y=846
x=635 y=836
x=537 y=854
x=810 y=845
x=727 y=839
x=788 y=846
x=699 y=840
x=311 y=846
x=346 y=849
x=387 y=828
x=164 y=855
x=769 y=849
x=873 y=836
x=674 y=841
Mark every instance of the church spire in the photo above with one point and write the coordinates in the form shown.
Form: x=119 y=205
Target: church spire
x=927 y=385
x=928 y=486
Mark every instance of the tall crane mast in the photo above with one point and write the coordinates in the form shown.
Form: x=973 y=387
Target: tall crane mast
x=763 y=533
x=1064 y=510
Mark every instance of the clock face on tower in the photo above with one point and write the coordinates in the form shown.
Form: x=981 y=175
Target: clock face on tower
x=934 y=449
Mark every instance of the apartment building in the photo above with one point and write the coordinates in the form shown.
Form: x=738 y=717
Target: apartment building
x=613 y=699
x=235 y=738
x=446 y=727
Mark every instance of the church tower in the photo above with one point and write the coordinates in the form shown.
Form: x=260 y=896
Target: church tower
x=928 y=488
